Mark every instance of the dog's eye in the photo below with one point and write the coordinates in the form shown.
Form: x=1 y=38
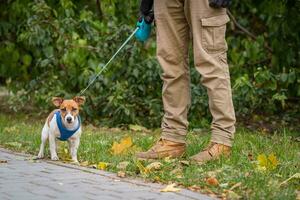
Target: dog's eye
x=74 y=109
x=63 y=109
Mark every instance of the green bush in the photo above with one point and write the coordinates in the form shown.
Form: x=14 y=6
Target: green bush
x=54 y=48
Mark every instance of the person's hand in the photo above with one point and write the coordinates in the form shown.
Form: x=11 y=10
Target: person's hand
x=219 y=3
x=146 y=11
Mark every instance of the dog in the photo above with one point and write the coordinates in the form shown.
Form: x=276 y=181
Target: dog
x=63 y=124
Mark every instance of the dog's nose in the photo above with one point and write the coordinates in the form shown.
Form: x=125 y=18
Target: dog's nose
x=69 y=119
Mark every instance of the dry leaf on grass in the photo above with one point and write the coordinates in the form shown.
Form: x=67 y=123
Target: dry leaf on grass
x=184 y=162
x=169 y=160
x=154 y=166
x=235 y=186
x=143 y=170
x=121 y=174
x=266 y=162
x=195 y=188
x=137 y=128
x=212 y=181
x=84 y=163
x=102 y=165
x=171 y=188
x=123 y=146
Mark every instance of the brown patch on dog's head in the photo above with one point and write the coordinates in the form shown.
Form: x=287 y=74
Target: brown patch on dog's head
x=68 y=106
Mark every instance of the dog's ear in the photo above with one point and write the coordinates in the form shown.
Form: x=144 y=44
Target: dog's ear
x=57 y=101
x=79 y=100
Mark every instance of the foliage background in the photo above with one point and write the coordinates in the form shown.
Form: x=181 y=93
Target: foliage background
x=53 y=48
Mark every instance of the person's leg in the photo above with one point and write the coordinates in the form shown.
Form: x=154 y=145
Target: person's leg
x=172 y=53
x=210 y=56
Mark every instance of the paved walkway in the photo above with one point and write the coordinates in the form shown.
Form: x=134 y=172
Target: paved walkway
x=20 y=178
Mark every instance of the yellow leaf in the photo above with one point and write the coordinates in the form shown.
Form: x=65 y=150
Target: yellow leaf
x=170 y=188
x=84 y=164
x=154 y=166
x=138 y=128
x=121 y=174
x=266 y=163
x=102 y=165
x=118 y=148
x=262 y=160
x=143 y=170
x=273 y=161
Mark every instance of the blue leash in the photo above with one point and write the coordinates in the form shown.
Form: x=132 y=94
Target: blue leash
x=111 y=59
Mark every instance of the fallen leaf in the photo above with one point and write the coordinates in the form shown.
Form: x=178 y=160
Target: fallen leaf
x=171 y=188
x=235 y=186
x=169 y=160
x=194 y=188
x=84 y=164
x=273 y=161
x=3 y=161
x=157 y=179
x=223 y=185
x=142 y=169
x=184 y=162
x=266 y=163
x=118 y=148
x=212 y=181
x=123 y=165
x=213 y=173
x=262 y=161
x=154 y=166
x=121 y=174
x=102 y=165
x=136 y=127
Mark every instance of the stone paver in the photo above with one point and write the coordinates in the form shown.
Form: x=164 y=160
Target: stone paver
x=20 y=178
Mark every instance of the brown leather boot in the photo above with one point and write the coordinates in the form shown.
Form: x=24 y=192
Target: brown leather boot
x=162 y=149
x=212 y=152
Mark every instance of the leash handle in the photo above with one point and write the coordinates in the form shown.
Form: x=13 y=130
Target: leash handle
x=111 y=59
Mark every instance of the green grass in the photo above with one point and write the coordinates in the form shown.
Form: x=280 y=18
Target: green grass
x=19 y=133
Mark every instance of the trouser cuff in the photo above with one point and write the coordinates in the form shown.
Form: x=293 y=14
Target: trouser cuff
x=174 y=137
x=221 y=139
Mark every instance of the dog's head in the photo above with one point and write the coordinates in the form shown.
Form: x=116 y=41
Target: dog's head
x=69 y=108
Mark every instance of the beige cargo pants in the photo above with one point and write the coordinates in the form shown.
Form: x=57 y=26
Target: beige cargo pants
x=179 y=22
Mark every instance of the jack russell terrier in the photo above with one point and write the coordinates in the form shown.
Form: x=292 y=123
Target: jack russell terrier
x=63 y=124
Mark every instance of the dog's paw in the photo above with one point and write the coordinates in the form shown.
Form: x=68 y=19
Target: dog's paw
x=54 y=158
x=39 y=156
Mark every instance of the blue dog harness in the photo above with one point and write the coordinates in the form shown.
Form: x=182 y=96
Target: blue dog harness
x=65 y=133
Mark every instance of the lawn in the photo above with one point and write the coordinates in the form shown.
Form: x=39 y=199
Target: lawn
x=247 y=174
